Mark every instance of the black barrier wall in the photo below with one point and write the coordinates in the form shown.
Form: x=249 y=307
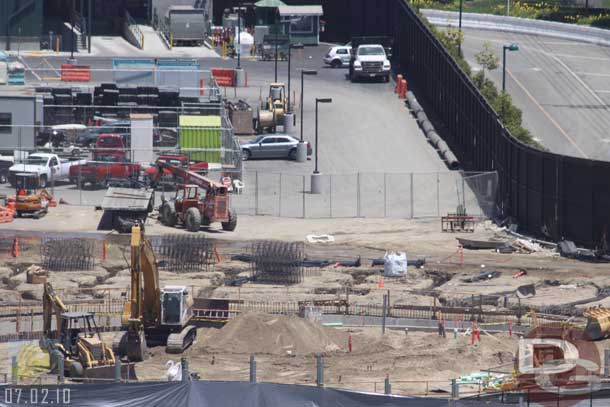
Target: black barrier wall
x=548 y=195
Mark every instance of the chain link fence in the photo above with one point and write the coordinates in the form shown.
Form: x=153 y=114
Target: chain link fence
x=372 y=195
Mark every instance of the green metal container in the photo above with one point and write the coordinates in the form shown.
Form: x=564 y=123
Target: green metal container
x=200 y=138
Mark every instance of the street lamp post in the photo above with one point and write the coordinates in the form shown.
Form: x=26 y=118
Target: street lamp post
x=72 y=41
x=277 y=31
x=239 y=72
x=290 y=48
x=302 y=147
x=316 y=187
x=239 y=37
x=510 y=47
x=460 y=28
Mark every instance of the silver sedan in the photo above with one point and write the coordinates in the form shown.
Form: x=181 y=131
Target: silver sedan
x=272 y=146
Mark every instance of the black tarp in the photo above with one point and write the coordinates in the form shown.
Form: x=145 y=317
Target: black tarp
x=237 y=394
x=205 y=394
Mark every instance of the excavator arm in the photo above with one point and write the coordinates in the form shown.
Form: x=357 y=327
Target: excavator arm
x=189 y=177
x=51 y=304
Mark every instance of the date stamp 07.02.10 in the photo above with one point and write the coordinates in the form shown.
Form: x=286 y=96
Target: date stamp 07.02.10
x=36 y=396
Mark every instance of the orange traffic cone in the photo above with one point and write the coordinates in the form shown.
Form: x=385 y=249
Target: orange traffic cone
x=380 y=282
x=15 y=249
x=217 y=254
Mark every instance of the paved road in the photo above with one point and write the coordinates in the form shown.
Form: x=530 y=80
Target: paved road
x=562 y=86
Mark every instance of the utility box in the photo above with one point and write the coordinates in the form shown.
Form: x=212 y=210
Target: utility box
x=200 y=138
x=142 y=138
x=186 y=24
x=20 y=116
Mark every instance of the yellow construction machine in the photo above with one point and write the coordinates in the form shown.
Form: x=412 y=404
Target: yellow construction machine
x=598 y=323
x=271 y=112
x=78 y=340
x=153 y=315
x=31 y=200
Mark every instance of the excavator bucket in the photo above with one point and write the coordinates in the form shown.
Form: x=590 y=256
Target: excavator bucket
x=128 y=372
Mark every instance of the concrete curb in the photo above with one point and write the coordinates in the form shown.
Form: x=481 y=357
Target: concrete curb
x=491 y=22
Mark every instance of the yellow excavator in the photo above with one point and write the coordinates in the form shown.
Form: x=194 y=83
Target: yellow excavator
x=153 y=315
x=78 y=340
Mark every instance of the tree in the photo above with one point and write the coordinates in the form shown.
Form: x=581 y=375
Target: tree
x=452 y=38
x=487 y=58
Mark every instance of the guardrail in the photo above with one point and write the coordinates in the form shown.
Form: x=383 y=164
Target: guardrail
x=520 y=25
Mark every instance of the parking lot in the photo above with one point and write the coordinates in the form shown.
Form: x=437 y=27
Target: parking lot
x=369 y=146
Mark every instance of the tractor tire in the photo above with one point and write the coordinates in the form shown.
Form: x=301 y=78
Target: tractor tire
x=192 y=220
x=168 y=214
x=76 y=370
x=231 y=224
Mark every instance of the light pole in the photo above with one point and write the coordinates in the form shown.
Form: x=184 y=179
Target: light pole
x=72 y=41
x=301 y=147
x=460 y=28
x=510 y=47
x=316 y=188
x=277 y=32
x=303 y=73
x=239 y=37
x=239 y=72
x=290 y=48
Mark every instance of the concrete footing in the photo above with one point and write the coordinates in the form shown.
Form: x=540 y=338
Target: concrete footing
x=240 y=77
x=316 y=183
x=302 y=152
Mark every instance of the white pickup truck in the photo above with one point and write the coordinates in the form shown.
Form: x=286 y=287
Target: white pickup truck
x=49 y=168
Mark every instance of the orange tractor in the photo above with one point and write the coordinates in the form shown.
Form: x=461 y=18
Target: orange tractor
x=199 y=201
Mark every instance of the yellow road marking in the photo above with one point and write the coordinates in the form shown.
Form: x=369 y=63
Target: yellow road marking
x=548 y=116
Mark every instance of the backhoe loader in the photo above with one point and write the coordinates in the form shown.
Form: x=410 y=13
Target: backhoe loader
x=153 y=315
x=78 y=340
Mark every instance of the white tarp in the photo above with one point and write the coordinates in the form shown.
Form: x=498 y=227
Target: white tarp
x=395 y=264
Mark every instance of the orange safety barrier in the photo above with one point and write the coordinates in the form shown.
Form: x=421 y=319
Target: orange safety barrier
x=398 y=82
x=6 y=215
x=224 y=77
x=75 y=73
x=403 y=89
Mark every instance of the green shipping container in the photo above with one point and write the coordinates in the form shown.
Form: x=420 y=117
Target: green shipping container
x=200 y=137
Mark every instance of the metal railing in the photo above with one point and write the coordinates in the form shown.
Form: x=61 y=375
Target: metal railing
x=132 y=32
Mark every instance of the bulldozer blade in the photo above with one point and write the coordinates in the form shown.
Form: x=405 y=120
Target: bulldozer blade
x=128 y=372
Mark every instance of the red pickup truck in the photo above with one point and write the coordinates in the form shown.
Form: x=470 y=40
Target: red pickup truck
x=105 y=166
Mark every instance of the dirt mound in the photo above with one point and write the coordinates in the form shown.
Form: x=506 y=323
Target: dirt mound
x=275 y=334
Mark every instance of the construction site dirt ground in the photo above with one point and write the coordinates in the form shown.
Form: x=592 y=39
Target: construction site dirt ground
x=416 y=356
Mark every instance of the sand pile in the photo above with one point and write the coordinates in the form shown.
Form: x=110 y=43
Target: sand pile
x=275 y=334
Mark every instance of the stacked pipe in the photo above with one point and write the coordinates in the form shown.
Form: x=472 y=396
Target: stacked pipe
x=430 y=132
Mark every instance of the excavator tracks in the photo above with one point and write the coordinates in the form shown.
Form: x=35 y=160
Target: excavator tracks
x=178 y=342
